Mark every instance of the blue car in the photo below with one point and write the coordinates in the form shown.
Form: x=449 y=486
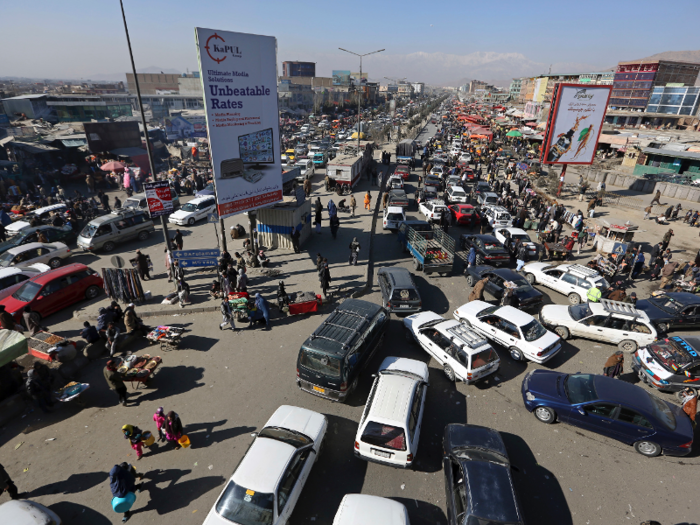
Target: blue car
x=611 y=407
x=207 y=190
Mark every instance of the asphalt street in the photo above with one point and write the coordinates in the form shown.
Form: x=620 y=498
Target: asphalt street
x=225 y=385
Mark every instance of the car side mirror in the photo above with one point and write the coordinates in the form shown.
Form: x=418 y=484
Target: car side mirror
x=374 y=375
x=40 y=297
x=581 y=411
x=254 y=434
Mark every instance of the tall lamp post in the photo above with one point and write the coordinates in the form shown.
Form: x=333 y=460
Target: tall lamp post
x=359 y=98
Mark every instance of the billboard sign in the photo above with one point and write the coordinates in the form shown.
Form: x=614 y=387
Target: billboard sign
x=106 y=136
x=185 y=128
x=159 y=198
x=357 y=79
x=341 y=77
x=239 y=79
x=575 y=123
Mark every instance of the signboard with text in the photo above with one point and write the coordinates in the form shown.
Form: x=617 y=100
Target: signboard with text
x=159 y=198
x=341 y=77
x=239 y=79
x=575 y=123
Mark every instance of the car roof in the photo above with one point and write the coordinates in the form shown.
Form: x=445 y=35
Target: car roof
x=683 y=298
x=466 y=435
x=52 y=207
x=484 y=237
x=49 y=276
x=412 y=366
x=116 y=215
x=491 y=494
x=602 y=309
x=392 y=399
x=13 y=270
x=517 y=231
x=613 y=390
x=510 y=313
x=27 y=512
x=28 y=246
x=263 y=465
x=364 y=509
x=506 y=273
x=299 y=419
x=203 y=198
x=401 y=277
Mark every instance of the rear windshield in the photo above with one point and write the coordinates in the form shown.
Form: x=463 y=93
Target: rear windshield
x=533 y=330
x=580 y=311
x=671 y=354
x=662 y=412
x=466 y=211
x=296 y=439
x=245 y=506
x=394 y=217
x=483 y=358
x=492 y=246
x=321 y=363
x=407 y=294
x=384 y=436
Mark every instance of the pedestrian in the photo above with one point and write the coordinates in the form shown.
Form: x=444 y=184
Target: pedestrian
x=104 y=200
x=617 y=295
x=115 y=381
x=135 y=436
x=689 y=402
x=666 y=240
x=159 y=418
x=90 y=181
x=296 y=234
x=242 y=282
x=6 y=484
x=656 y=199
x=477 y=293
x=39 y=390
x=353 y=205
x=508 y=298
x=240 y=263
x=173 y=429
x=307 y=187
x=385 y=200
x=7 y=321
x=522 y=257
x=647 y=211
x=667 y=274
x=614 y=365
x=471 y=257
x=177 y=239
x=325 y=277
x=142 y=265
x=354 y=251
x=631 y=299
x=32 y=321
x=122 y=483
x=638 y=265
x=262 y=305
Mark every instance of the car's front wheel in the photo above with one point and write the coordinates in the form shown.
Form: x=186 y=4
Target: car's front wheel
x=516 y=354
x=530 y=278
x=563 y=332
x=143 y=235
x=628 y=346
x=470 y=280
x=647 y=448
x=545 y=415
x=55 y=263
x=92 y=292
x=190 y=221
x=449 y=372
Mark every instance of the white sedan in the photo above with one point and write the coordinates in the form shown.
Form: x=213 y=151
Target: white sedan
x=195 y=210
x=506 y=234
x=36 y=252
x=363 y=509
x=432 y=210
x=16 y=274
x=516 y=330
x=266 y=485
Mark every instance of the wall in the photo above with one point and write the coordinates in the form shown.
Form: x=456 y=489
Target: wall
x=149 y=83
x=190 y=86
x=641 y=185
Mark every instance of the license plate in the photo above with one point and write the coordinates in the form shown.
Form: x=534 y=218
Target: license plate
x=381 y=453
x=319 y=389
x=404 y=306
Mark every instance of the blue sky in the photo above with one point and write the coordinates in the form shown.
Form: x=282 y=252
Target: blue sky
x=431 y=42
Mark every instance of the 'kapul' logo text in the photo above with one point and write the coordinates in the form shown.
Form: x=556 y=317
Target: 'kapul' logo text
x=218 y=51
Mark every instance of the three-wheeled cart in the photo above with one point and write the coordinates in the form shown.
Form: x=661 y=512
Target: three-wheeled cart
x=169 y=337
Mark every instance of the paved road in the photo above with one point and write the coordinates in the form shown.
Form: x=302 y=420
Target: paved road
x=225 y=386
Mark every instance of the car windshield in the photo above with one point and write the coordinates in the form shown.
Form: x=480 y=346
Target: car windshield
x=466 y=211
x=662 y=411
x=321 y=363
x=672 y=353
x=130 y=203
x=27 y=291
x=580 y=311
x=296 y=439
x=580 y=388
x=602 y=284
x=533 y=330
x=394 y=217
x=189 y=207
x=245 y=506
x=385 y=436
x=89 y=231
x=667 y=304
x=481 y=454
x=6 y=258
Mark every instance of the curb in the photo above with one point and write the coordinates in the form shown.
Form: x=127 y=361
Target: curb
x=84 y=316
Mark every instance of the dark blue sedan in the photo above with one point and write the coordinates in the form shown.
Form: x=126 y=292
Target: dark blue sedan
x=611 y=407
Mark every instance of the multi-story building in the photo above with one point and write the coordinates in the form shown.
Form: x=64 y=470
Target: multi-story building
x=674 y=100
x=151 y=83
x=418 y=87
x=634 y=81
x=603 y=78
x=514 y=90
x=298 y=69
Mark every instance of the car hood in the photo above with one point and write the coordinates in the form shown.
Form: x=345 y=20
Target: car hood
x=12 y=305
x=555 y=312
x=180 y=214
x=16 y=227
x=547 y=383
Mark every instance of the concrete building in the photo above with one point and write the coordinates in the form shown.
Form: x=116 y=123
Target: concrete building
x=80 y=108
x=32 y=106
x=604 y=78
x=190 y=85
x=316 y=82
x=514 y=89
x=418 y=87
x=151 y=83
x=674 y=100
x=298 y=69
x=634 y=81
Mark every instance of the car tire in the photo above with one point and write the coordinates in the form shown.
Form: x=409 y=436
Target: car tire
x=470 y=280
x=545 y=415
x=663 y=327
x=574 y=298
x=55 y=263
x=516 y=354
x=108 y=246
x=530 y=278
x=92 y=292
x=449 y=373
x=647 y=448
x=563 y=332
x=143 y=235
x=628 y=346
x=190 y=221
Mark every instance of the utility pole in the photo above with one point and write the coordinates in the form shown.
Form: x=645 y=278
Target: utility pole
x=149 y=150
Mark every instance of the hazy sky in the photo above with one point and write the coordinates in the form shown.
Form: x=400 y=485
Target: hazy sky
x=433 y=42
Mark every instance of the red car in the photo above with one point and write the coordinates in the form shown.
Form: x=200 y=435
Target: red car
x=464 y=214
x=402 y=170
x=54 y=290
x=470 y=173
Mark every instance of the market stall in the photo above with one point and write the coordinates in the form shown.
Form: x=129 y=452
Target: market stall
x=12 y=345
x=614 y=236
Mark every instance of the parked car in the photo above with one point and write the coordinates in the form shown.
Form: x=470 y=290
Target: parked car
x=487 y=198
x=519 y=332
x=54 y=290
x=44 y=214
x=196 y=209
x=266 y=485
x=572 y=280
x=363 y=509
x=488 y=249
x=432 y=210
x=525 y=296
x=671 y=364
x=207 y=190
x=496 y=216
x=394 y=183
x=455 y=194
x=64 y=234
x=393 y=216
x=138 y=202
x=464 y=355
x=398 y=198
x=27 y=512
x=115 y=228
x=52 y=254
x=13 y=275
x=432 y=180
x=612 y=322
x=478 y=483
x=672 y=311
x=613 y=408
x=331 y=359
x=389 y=429
x=399 y=291
x=481 y=187
x=464 y=214
x=508 y=237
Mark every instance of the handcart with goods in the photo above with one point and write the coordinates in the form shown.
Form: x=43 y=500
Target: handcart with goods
x=299 y=303
x=138 y=369
x=169 y=337
x=556 y=251
x=71 y=391
x=51 y=347
x=239 y=305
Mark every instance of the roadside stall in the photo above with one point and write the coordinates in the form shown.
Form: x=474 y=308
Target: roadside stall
x=12 y=345
x=614 y=236
x=138 y=369
x=276 y=223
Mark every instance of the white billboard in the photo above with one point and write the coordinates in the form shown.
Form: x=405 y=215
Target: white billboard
x=239 y=79
x=575 y=123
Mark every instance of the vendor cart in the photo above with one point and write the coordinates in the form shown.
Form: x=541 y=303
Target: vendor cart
x=72 y=391
x=305 y=307
x=51 y=347
x=169 y=337
x=614 y=236
x=138 y=369
x=556 y=251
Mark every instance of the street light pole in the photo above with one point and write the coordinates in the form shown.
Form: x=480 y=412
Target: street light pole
x=359 y=96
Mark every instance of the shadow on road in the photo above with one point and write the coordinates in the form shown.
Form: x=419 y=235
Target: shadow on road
x=422 y=512
x=176 y=380
x=76 y=514
x=74 y=484
x=175 y=494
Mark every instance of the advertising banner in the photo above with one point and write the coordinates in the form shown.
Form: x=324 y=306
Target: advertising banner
x=239 y=78
x=341 y=77
x=184 y=128
x=356 y=79
x=575 y=123
x=159 y=198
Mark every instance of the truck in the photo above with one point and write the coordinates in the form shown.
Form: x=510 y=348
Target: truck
x=433 y=252
x=404 y=151
x=289 y=180
x=345 y=169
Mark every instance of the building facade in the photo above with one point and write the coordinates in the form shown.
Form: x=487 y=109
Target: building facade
x=634 y=81
x=298 y=69
x=514 y=89
x=674 y=100
x=151 y=83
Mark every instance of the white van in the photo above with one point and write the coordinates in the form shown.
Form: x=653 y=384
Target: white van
x=393 y=216
x=307 y=168
x=389 y=430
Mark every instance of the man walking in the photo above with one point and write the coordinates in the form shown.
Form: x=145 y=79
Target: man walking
x=325 y=277
x=295 y=240
x=353 y=205
x=656 y=198
x=142 y=265
x=177 y=239
x=666 y=240
x=477 y=293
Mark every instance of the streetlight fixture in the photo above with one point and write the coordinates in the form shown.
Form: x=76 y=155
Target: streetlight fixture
x=359 y=98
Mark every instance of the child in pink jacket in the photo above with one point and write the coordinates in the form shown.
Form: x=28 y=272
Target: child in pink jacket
x=159 y=418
